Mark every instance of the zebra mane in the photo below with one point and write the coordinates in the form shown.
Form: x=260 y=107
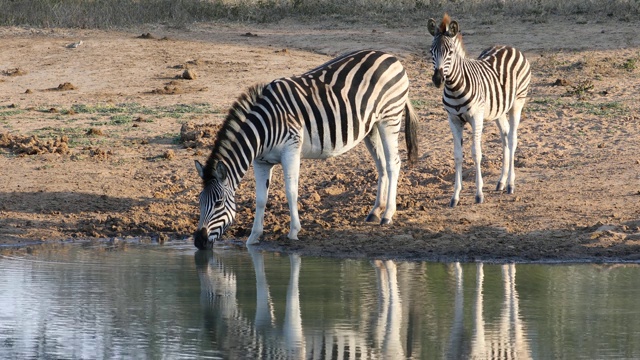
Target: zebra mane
x=227 y=133
x=444 y=24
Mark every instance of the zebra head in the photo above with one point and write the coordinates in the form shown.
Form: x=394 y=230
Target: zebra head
x=446 y=44
x=217 y=205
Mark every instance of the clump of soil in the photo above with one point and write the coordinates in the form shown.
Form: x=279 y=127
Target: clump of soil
x=189 y=74
x=169 y=89
x=95 y=132
x=561 y=82
x=66 y=86
x=169 y=155
x=146 y=36
x=99 y=154
x=198 y=135
x=32 y=145
x=14 y=72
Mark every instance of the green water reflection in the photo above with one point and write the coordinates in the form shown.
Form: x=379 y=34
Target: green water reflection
x=171 y=302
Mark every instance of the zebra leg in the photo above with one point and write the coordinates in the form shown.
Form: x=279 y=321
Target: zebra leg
x=388 y=132
x=514 y=122
x=375 y=148
x=456 y=126
x=291 y=170
x=503 y=126
x=476 y=151
x=262 y=173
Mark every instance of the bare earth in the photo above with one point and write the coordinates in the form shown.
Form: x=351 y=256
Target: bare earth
x=109 y=161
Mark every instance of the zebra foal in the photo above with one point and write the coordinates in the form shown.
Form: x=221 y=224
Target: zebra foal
x=492 y=87
x=320 y=114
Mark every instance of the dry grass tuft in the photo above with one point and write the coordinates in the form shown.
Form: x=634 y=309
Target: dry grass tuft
x=115 y=13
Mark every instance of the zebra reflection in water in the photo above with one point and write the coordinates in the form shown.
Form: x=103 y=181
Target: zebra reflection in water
x=503 y=339
x=388 y=331
x=262 y=337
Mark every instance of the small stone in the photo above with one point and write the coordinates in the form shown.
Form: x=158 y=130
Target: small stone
x=189 y=74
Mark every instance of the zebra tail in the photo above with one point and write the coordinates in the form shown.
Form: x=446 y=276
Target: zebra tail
x=411 y=133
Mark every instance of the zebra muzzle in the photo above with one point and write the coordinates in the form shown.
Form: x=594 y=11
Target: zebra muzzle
x=201 y=239
x=437 y=77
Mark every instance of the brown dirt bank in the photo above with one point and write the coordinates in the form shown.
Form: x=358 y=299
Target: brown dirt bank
x=112 y=157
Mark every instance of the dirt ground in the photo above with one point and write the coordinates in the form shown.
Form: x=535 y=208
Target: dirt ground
x=98 y=141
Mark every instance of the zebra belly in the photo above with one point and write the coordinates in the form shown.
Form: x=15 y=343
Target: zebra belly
x=474 y=109
x=315 y=151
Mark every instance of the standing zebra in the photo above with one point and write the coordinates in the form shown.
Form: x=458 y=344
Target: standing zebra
x=322 y=113
x=493 y=87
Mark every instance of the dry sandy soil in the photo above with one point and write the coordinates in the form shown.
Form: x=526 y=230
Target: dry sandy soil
x=110 y=154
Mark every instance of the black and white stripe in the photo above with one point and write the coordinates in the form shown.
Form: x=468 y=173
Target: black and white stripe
x=322 y=113
x=492 y=87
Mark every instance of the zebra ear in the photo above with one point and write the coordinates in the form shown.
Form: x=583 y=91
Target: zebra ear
x=200 y=169
x=431 y=25
x=220 y=172
x=453 y=28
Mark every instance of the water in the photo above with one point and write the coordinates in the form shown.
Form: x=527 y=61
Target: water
x=149 y=302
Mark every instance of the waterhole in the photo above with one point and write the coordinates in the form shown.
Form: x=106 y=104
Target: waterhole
x=120 y=300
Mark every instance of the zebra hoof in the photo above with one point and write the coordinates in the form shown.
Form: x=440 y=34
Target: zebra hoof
x=453 y=202
x=479 y=199
x=385 y=221
x=511 y=189
x=372 y=218
x=500 y=186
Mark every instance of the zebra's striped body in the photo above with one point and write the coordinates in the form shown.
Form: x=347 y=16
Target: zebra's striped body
x=492 y=87
x=322 y=113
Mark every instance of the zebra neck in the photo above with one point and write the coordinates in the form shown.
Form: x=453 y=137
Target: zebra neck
x=458 y=80
x=238 y=154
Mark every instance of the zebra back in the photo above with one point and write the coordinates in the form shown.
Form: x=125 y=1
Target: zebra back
x=512 y=76
x=335 y=105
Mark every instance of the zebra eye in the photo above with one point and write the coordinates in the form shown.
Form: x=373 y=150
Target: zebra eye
x=218 y=204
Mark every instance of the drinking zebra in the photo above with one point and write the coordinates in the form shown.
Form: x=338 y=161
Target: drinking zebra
x=493 y=87
x=322 y=113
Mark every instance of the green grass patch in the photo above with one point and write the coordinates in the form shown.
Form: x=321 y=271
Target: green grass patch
x=120 y=119
x=11 y=112
x=543 y=105
x=181 y=110
x=117 y=111
x=630 y=64
x=580 y=89
x=607 y=109
x=419 y=104
x=106 y=109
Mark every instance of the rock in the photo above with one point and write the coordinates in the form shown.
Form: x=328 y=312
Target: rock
x=189 y=74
